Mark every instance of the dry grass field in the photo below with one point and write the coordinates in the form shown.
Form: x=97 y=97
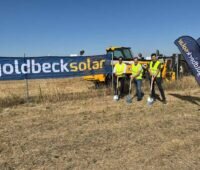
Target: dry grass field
x=67 y=124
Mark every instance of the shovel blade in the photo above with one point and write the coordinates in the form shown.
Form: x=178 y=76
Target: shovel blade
x=116 y=98
x=150 y=101
x=129 y=99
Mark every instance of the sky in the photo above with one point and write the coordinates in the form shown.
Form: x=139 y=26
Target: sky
x=63 y=27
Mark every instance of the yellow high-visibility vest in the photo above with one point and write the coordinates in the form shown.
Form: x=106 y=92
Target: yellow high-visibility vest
x=120 y=69
x=154 y=68
x=136 y=69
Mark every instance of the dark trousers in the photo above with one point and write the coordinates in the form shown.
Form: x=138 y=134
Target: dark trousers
x=138 y=85
x=158 y=81
x=121 y=81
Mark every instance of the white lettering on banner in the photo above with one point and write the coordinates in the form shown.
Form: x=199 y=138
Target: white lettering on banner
x=63 y=66
x=36 y=67
x=25 y=67
x=31 y=66
x=194 y=63
x=190 y=56
x=54 y=67
x=8 y=68
x=46 y=67
x=17 y=67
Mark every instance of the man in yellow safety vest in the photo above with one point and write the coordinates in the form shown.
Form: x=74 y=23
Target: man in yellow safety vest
x=155 y=75
x=119 y=73
x=136 y=77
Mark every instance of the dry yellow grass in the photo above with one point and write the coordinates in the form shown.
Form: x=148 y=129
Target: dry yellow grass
x=70 y=125
x=14 y=92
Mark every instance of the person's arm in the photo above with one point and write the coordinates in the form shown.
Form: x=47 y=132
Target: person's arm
x=149 y=70
x=125 y=69
x=114 y=70
x=131 y=76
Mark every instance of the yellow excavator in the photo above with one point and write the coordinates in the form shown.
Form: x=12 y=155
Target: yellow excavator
x=126 y=53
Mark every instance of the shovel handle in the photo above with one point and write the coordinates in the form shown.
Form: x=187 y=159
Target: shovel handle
x=152 y=79
x=117 y=85
x=130 y=85
x=117 y=82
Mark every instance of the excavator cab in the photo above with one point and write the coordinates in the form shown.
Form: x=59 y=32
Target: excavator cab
x=124 y=52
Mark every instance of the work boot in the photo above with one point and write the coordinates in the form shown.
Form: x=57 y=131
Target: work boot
x=164 y=101
x=121 y=96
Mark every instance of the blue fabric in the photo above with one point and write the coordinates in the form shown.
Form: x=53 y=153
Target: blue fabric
x=18 y=68
x=190 y=49
x=138 y=85
x=198 y=41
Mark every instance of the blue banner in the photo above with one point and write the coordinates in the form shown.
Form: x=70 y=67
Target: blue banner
x=191 y=51
x=198 y=41
x=18 y=68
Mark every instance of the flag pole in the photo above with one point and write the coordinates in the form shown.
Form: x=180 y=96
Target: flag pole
x=112 y=74
x=177 y=65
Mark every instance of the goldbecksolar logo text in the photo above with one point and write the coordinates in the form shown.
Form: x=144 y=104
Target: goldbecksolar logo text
x=35 y=66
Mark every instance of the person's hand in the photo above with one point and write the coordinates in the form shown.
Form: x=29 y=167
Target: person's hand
x=132 y=77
